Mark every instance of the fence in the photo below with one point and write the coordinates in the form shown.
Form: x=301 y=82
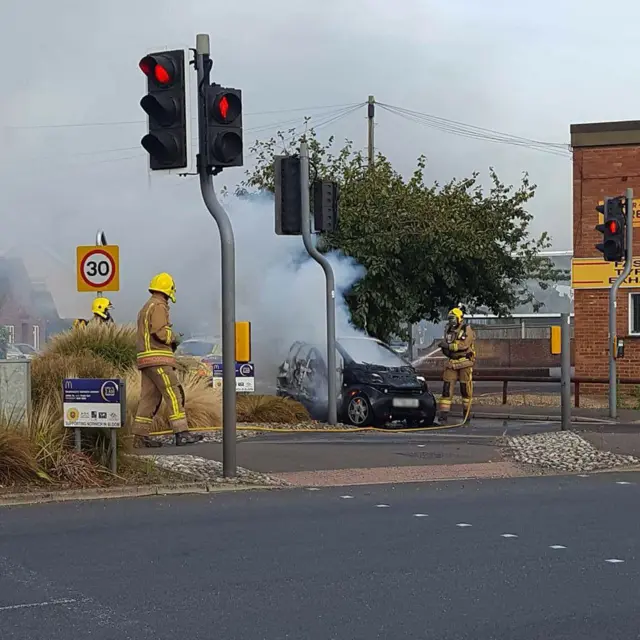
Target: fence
x=15 y=391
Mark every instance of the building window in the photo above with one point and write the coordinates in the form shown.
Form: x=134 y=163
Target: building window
x=634 y=314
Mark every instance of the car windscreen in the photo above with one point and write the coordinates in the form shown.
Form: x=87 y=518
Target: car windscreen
x=369 y=351
x=196 y=348
x=25 y=348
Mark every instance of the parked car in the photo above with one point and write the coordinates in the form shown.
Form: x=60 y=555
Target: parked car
x=375 y=385
x=20 y=351
x=205 y=352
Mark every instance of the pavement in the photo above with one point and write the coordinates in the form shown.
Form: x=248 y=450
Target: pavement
x=524 y=559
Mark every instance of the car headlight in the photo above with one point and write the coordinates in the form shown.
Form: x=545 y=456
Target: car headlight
x=370 y=378
x=421 y=379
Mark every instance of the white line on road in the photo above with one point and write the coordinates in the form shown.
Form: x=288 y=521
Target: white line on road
x=557 y=546
x=420 y=515
x=463 y=524
x=313 y=489
x=623 y=482
x=508 y=535
x=583 y=475
x=382 y=506
x=614 y=560
x=346 y=497
x=49 y=603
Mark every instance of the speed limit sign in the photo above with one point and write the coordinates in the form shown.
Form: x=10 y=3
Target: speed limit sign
x=98 y=268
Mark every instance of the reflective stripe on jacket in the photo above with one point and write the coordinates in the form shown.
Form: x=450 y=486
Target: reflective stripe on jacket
x=155 y=337
x=462 y=350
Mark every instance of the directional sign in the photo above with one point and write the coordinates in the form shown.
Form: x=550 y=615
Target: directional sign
x=98 y=268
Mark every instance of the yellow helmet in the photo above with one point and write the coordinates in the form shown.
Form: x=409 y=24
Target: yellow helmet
x=456 y=313
x=100 y=306
x=163 y=283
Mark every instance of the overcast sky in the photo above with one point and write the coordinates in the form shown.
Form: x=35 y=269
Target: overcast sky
x=524 y=69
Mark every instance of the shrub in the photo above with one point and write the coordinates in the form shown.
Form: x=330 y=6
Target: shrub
x=114 y=343
x=49 y=370
x=255 y=408
x=17 y=457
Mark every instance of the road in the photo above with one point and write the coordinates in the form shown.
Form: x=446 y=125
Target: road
x=537 y=558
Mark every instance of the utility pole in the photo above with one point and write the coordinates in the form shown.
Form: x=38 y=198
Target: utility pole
x=371 y=150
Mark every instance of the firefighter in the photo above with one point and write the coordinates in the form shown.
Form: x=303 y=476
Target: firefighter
x=101 y=309
x=458 y=347
x=156 y=345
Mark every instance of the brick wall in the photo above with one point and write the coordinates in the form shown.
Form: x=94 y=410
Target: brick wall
x=599 y=172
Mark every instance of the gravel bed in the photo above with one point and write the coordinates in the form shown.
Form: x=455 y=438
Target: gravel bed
x=200 y=469
x=564 y=451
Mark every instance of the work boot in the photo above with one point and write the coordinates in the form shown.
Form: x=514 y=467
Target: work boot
x=140 y=442
x=186 y=437
x=443 y=417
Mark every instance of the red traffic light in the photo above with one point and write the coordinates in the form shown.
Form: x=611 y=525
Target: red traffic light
x=613 y=226
x=226 y=107
x=161 y=69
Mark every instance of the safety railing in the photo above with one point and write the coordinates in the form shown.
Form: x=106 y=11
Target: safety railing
x=505 y=380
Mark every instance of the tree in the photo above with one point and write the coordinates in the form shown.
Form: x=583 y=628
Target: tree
x=425 y=248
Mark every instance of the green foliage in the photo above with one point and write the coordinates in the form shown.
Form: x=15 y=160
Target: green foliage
x=425 y=248
x=112 y=342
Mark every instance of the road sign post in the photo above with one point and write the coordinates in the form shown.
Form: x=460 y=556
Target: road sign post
x=101 y=241
x=613 y=339
x=565 y=371
x=98 y=268
x=228 y=266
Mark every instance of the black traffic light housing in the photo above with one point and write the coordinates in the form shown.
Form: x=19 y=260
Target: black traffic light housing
x=613 y=229
x=168 y=107
x=224 y=142
x=288 y=196
x=325 y=205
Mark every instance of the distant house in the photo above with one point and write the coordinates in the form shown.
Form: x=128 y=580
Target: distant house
x=26 y=308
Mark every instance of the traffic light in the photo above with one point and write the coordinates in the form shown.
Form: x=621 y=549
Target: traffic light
x=325 y=205
x=288 y=196
x=224 y=128
x=168 y=107
x=613 y=229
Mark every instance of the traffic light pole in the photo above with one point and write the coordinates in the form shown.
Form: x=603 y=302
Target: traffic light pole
x=228 y=272
x=330 y=286
x=613 y=292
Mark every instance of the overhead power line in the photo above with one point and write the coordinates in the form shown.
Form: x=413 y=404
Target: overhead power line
x=478 y=133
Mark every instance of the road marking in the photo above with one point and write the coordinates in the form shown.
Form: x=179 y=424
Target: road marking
x=508 y=535
x=463 y=524
x=382 y=506
x=583 y=475
x=49 y=603
x=346 y=497
x=557 y=546
x=422 y=445
x=420 y=515
x=623 y=482
x=313 y=489
x=614 y=560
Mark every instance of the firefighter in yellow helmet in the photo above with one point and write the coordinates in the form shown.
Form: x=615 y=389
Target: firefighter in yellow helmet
x=101 y=309
x=458 y=346
x=156 y=345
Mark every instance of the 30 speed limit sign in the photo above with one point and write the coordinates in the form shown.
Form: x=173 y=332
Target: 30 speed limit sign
x=98 y=268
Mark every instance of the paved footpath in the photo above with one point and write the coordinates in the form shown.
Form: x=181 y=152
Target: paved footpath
x=523 y=559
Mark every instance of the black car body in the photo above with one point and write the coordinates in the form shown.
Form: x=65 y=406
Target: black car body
x=375 y=385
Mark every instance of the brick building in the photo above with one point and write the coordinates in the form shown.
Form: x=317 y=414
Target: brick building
x=606 y=161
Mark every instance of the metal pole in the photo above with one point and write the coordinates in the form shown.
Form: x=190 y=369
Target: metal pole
x=565 y=369
x=228 y=271
x=332 y=374
x=613 y=292
x=114 y=450
x=78 y=438
x=101 y=241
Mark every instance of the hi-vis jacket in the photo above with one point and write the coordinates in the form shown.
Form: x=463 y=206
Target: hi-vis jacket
x=155 y=337
x=459 y=347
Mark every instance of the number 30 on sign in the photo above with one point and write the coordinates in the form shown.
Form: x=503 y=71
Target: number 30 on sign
x=98 y=268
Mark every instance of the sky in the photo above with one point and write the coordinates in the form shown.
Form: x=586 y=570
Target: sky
x=70 y=120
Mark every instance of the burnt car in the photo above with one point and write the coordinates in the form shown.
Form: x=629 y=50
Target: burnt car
x=376 y=386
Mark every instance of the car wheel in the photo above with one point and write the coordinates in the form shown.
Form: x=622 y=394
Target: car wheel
x=359 y=412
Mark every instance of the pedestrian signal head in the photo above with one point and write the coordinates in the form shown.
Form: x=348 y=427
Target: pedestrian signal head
x=163 y=283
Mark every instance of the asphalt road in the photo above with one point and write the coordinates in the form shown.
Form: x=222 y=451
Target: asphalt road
x=273 y=453
x=538 y=558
